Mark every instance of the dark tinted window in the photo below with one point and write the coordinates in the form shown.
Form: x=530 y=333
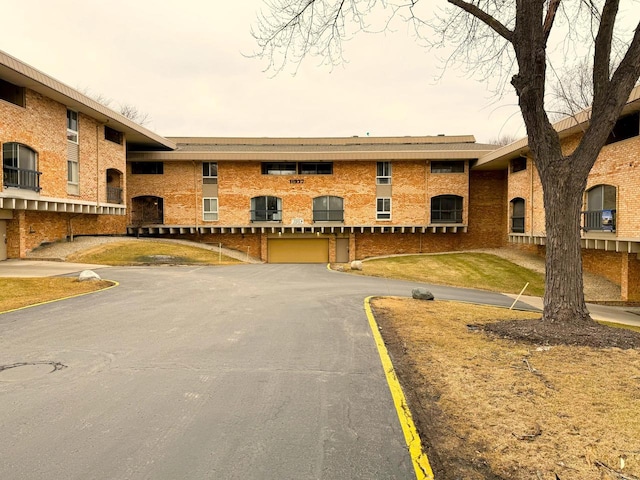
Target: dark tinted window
x=147 y=168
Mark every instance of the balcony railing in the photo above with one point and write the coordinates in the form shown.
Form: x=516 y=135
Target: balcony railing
x=328 y=215
x=517 y=224
x=599 y=220
x=21 y=178
x=266 y=215
x=114 y=195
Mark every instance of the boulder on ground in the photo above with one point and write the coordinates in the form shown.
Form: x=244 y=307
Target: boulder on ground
x=356 y=265
x=422 y=294
x=88 y=275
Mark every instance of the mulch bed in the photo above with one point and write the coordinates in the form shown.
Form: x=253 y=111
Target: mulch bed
x=584 y=334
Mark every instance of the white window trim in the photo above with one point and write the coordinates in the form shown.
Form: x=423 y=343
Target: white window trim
x=207 y=214
x=73 y=133
x=75 y=173
x=383 y=179
x=384 y=212
x=210 y=176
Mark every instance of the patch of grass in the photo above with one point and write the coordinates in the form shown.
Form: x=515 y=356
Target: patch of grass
x=470 y=270
x=141 y=252
x=20 y=292
x=494 y=408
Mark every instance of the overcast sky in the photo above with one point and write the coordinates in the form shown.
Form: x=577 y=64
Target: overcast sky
x=183 y=64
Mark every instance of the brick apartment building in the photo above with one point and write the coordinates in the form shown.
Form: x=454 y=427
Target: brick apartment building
x=73 y=167
x=64 y=161
x=319 y=200
x=610 y=218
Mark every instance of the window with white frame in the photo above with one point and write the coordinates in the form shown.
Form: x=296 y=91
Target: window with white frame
x=72 y=126
x=383 y=173
x=73 y=154
x=210 y=172
x=209 y=209
x=383 y=209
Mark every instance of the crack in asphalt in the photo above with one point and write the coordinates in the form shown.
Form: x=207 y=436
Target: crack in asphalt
x=56 y=365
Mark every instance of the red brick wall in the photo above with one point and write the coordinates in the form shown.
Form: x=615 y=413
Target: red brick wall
x=412 y=188
x=377 y=244
x=487 y=211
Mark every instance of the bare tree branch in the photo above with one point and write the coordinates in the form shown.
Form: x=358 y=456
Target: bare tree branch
x=485 y=18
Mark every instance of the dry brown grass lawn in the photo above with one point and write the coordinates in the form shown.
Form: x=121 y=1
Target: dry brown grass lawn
x=497 y=409
x=143 y=253
x=20 y=292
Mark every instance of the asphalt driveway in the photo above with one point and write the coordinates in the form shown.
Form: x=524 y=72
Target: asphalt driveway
x=240 y=372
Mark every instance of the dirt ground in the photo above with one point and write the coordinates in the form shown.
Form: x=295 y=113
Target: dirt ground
x=493 y=408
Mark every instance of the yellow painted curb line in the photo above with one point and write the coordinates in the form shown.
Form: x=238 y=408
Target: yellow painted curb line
x=113 y=285
x=418 y=457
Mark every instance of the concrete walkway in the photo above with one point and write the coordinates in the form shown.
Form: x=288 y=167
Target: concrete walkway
x=603 y=313
x=41 y=268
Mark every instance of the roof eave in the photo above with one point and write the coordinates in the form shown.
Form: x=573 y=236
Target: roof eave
x=26 y=76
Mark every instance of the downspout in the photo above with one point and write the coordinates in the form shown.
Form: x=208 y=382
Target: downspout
x=195 y=192
x=531 y=201
x=98 y=165
x=70 y=226
x=426 y=201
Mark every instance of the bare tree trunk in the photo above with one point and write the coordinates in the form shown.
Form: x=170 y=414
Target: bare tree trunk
x=564 y=289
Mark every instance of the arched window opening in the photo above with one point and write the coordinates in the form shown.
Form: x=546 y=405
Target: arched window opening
x=328 y=209
x=266 y=209
x=601 y=209
x=446 y=209
x=147 y=210
x=20 y=167
x=517 y=215
x=114 y=186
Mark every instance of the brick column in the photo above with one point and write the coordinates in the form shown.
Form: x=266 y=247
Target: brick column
x=630 y=277
x=352 y=247
x=264 y=253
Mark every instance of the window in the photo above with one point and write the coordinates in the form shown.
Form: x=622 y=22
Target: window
x=383 y=173
x=266 y=209
x=446 y=209
x=113 y=135
x=73 y=174
x=20 y=165
x=73 y=154
x=12 y=93
x=301 y=168
x=625 y=127
x=72 y=126
x=282 y=168
x=517 y=215
x=209 y=209
x=447 y=167
x=518 y=164
x=310 y=168
x=209 y=172
x=147 y=168
x=383 y=209
x=601 y=209
x=328 y=209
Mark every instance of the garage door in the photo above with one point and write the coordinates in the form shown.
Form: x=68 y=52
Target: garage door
x=298 y=250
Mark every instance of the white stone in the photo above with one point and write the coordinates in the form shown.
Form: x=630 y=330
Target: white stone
x=88 y=275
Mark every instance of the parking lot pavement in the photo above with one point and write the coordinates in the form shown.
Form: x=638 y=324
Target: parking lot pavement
x=240 y=372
